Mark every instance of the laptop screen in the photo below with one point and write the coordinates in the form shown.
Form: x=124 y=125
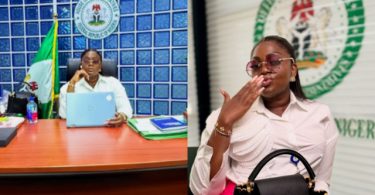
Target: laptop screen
x=89 y=109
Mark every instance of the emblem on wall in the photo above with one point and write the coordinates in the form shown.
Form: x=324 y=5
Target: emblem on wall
x=97 y=19
x=326 y=36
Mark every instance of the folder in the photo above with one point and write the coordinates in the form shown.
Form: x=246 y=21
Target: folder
x=7 y=134
x=146 y=129
x=8 y=129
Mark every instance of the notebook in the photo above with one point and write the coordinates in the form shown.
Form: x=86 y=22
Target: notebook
x=168 y=124
x=6 y=135
x=89 y=109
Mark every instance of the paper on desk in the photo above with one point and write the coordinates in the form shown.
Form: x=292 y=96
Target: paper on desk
x=11 y=121
x=144 y=125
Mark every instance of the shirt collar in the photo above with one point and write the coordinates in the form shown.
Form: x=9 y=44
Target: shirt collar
x=258 y=105
x=84 y=83
x=296 y=101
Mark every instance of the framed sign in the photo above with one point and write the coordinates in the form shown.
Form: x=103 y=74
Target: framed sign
x=97 y=19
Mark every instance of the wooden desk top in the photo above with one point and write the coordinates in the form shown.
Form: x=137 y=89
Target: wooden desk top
x=50 y=147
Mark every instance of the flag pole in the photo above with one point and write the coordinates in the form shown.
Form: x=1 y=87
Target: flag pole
x=53 y=58
x=54 y=4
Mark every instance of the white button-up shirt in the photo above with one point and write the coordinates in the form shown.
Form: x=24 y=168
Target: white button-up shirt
x=104 y=84
x=305 y=126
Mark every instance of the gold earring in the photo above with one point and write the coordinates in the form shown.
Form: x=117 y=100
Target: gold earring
x=292 y=79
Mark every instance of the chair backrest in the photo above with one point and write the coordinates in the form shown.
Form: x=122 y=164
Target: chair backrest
x=109 y=67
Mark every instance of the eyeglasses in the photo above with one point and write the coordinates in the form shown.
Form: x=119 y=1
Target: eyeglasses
x=272 y=61
x=87 y=61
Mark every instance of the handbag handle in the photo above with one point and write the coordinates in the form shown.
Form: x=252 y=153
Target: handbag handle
x=273 y=154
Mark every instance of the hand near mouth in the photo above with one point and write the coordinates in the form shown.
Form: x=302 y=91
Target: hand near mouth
x=78 y=75
x=234 y=108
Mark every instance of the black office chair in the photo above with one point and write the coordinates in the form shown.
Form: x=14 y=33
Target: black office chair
x=109 y=67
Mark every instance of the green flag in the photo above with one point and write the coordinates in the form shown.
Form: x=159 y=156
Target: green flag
x=44 y=73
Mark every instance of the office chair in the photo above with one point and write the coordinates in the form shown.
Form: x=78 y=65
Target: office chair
x=109 y=67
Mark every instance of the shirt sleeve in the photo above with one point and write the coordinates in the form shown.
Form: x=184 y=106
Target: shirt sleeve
x=62 y=101
x=122 y=100
x=200 y=173
x=324 y=171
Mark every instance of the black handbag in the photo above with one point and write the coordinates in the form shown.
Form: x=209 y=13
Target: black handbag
x=285 y=185
x=17 y=102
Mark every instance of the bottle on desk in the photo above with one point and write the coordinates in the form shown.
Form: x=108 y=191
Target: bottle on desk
x=32 y=111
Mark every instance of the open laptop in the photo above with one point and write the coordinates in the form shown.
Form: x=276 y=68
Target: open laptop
x=89 y=109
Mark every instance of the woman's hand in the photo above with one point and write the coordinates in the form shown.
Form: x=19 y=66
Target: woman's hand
x=234 y=108
x=117 y=121
x=78 y=75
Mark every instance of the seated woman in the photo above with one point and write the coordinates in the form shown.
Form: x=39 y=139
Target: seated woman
x=89 y=79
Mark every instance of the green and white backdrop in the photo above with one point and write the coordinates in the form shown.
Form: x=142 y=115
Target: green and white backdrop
x=336 y=58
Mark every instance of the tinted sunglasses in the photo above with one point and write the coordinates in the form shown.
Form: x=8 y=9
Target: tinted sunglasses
x=87 y=61
x=272 y=61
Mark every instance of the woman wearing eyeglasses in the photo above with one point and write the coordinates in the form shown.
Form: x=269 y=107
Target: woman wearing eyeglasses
x=269 y=112
x=89 y=79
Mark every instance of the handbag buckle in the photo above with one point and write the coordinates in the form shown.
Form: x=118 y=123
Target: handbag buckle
x=310 y=183
x=248 y=187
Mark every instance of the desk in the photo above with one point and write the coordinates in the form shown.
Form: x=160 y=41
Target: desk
x=51 y=157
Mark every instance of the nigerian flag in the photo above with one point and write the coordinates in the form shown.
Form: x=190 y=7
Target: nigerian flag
x=44 y=73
